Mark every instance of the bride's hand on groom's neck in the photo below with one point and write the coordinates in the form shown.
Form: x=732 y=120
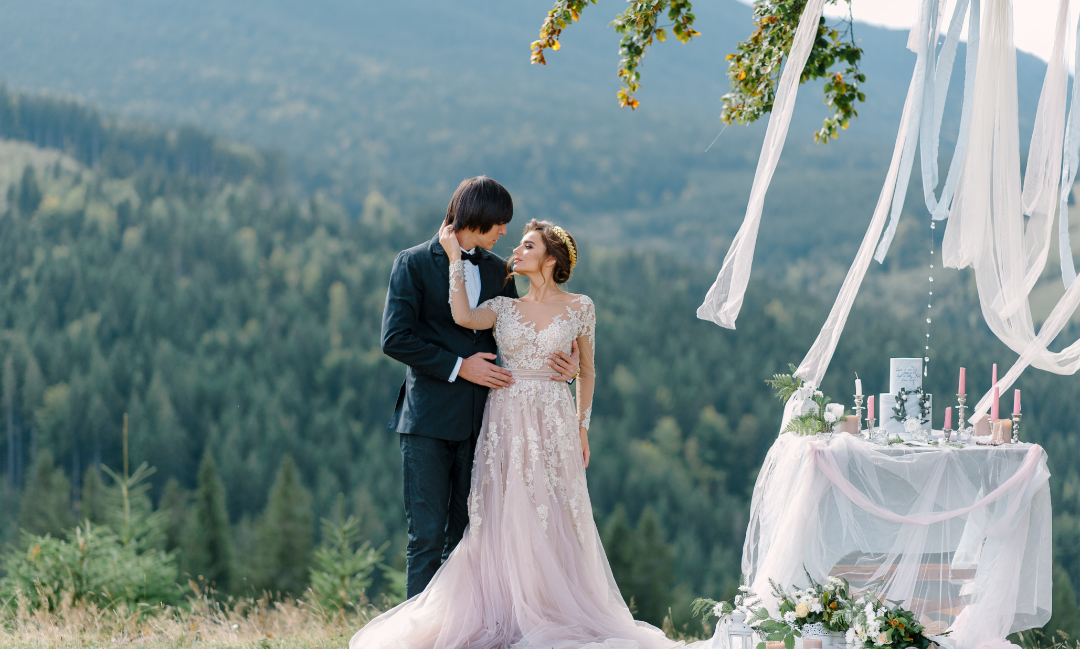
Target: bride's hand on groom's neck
x=449 y=241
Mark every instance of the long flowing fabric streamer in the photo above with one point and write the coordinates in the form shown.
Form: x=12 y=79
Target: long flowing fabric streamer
x=923 y=38
x=986 y=228
x=1068 y=177
x=725 y=297
x=930 y=136
x=813 y=366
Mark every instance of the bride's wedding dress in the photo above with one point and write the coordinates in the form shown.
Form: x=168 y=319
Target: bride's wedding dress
x=530 y=572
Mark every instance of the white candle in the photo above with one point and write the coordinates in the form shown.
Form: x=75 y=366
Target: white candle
x=858 y=387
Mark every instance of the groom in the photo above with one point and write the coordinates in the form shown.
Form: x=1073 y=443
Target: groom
x=449 y=371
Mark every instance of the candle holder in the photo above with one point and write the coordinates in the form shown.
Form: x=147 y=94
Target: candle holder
x=859 y=409
x=962 y=429
x=1016 y=428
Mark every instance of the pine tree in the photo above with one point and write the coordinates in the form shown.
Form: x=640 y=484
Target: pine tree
x=174 y=505
x=284 y=535
x=1066 y=615
x=33 y=391
x=46 y=505
x=640 y=562
x=621 y=547
x=654 y=570
x=92 y=507
x=9 y=410
x=208 y=547
x=29 y=191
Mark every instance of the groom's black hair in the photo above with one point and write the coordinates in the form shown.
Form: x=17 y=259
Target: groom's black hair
x=479 y=204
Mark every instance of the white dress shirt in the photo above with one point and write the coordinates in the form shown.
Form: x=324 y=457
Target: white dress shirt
x=472 y=289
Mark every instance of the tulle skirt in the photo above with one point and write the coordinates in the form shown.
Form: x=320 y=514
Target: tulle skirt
x=530 y=572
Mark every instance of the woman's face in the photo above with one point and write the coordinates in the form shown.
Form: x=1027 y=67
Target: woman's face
x=531 y=254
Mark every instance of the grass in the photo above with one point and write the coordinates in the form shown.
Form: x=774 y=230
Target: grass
x=202 y=622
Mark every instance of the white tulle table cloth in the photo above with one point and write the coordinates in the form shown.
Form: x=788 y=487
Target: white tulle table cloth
x=960 y=536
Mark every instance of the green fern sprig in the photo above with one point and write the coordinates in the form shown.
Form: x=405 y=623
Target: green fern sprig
x=785 y=384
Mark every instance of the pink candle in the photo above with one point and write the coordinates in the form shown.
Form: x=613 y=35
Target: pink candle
x=993 y=379
x=963 y=375
x=1016 y=402
x=994 y=403
x=870 y=407
x=948 y=418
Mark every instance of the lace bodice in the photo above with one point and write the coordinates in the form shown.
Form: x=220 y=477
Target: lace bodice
x=528 y=332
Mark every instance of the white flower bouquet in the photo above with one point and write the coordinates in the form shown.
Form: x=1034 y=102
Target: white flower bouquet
x=829 y=604
x=877 y=626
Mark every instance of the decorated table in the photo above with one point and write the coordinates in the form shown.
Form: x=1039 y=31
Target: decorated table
x=961 y=536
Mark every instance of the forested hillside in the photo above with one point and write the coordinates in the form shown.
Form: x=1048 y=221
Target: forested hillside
x=238 y=326
x=408 y=101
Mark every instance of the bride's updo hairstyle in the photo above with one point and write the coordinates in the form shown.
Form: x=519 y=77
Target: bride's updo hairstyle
x=559 y=244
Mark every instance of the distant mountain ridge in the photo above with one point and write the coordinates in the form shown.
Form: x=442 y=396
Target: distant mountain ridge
x=409 y=100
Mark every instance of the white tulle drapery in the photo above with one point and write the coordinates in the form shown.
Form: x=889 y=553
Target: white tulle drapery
x=982 y=196
x=961 y=537
x=812 y=369
x=725 y=297
x=986 y=229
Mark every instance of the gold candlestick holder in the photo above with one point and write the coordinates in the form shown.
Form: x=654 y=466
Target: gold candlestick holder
x=1016 y=428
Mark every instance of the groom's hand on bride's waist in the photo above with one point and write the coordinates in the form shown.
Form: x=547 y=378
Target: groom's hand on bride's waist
x=567 y=365
x=480 y=369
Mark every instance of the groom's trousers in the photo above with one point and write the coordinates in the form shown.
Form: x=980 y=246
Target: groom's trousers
x=437 y=475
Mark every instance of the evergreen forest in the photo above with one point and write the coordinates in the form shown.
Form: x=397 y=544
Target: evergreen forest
x=192 y=374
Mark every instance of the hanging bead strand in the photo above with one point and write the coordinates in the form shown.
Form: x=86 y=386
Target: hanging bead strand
x=929 y=301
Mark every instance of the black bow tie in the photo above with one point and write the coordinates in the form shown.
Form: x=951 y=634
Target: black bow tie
x=474 y=257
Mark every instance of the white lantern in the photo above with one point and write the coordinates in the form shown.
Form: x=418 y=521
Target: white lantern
x=739 y=636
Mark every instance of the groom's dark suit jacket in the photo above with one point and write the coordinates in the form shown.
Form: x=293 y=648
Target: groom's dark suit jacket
x=418 y=329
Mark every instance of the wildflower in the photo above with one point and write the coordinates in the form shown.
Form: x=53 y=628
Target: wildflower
x=849 y=637
x=833 y=605
x=893 y=622
x=789 y=617
x=718 y=610
x=815 y=605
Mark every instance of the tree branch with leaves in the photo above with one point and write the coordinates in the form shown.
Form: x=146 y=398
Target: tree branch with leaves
x=753 y=69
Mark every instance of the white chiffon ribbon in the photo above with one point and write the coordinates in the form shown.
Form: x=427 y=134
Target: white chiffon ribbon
x=813 y=366
x=986 y=228
x=725 y=297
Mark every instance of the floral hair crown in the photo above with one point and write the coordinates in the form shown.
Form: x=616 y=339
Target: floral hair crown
x=559 y=232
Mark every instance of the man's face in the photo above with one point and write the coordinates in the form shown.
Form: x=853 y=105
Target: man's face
x=488 y=239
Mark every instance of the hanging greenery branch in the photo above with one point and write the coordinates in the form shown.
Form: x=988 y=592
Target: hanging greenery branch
x=639 y=26
x=563 y=13
x=753 y=69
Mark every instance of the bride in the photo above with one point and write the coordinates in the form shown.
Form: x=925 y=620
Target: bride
x=530 y=572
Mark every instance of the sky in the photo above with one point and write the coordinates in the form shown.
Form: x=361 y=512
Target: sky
x=1034 y=24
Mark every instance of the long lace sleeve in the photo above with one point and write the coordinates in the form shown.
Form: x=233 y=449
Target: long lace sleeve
x=587 y=379
x=482 y=317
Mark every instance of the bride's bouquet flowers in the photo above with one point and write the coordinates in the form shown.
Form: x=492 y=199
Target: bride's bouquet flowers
x=876 y=626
